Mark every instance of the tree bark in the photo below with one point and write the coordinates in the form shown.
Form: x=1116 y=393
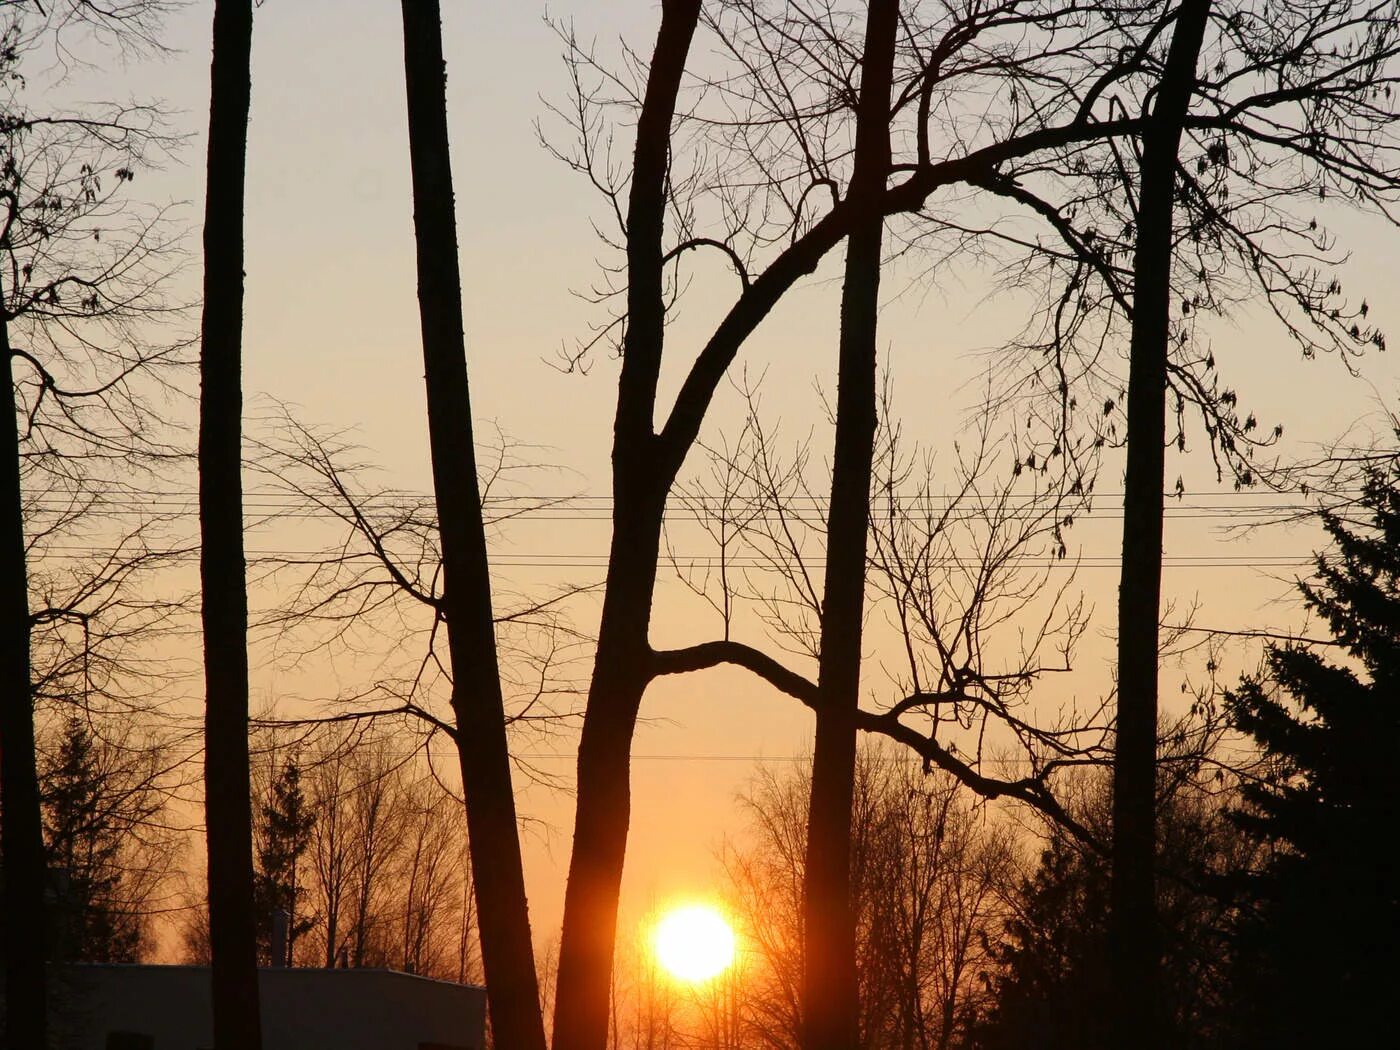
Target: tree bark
x=642 y=474
x=465 y=604
x=21 y=834
x=830 y=1007
x=1133 y=937
x=224 y=611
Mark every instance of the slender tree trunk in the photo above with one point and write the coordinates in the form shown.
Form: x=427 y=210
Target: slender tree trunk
x=830 y=1006
x=21 y=835
x=1133 y=936
x=622 y=667
x=503 y=915
x=224 y=611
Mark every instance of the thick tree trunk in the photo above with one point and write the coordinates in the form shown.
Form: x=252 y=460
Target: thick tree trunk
x=830 y=1008
x=21 y=835
x=1134 y=948
x=228 y=818
x=642 y=474
x=503 y=914
x=603 y=806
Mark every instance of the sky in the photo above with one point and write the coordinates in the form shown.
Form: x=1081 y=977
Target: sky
x=331 y=329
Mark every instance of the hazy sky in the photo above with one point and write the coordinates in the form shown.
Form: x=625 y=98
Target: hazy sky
x=332 y=328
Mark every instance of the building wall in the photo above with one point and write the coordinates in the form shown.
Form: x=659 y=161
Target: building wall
x=302 y=1009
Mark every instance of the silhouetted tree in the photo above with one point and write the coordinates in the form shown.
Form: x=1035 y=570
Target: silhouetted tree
x=1051 y=971
x=1316 y=957
x=830 y=1005
x=432 y=884
x=644 y=465
x=783 y=121
x=107 y=854
x=65 y=299
x=282 y=833
x=928 y=873
x=223 y=578
x=332 y=780
x=1251 y=115
x=1132 y=924
x=465 y=602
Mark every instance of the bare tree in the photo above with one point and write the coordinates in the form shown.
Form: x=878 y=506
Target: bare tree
x=928 y=871
x=1252 y=115
x=1133 y=927
x=647 y=1011
x=830 y=1006
x=969 y=564
x=387 y=868
x=465 y=604
x=780 y=126
x=430 y=876
x=621 y=668
x=376 y=829
x=110 y=845
x=331 y=784
x=67 y=303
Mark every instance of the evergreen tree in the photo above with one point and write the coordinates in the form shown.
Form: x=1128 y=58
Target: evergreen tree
x=1316 y=957
x=1055 y=982
x=95 y=799
x=284 y=833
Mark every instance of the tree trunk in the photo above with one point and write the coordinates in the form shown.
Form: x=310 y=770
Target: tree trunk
x=503 y=915
x=21 y=834
x=830 y=1006
x=1134 y=948
x=603 y=806
x=641 y=477
x=224 y=611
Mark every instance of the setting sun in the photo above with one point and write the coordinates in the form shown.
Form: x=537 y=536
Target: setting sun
x=694 y=942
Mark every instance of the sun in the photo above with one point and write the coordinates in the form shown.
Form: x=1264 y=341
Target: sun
x=694 y=942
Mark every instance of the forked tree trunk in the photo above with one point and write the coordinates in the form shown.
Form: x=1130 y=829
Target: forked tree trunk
x=622 y=665
x=21 y=834
x=503 y=916
x=224 y=610
x=829 y=1006
x=1133 y=936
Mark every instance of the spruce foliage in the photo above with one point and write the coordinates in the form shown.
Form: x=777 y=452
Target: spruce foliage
x=1316 y=958
x=284 y=828
x=99 y=806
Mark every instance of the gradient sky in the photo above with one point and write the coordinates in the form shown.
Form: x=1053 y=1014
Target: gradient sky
x=332 y=328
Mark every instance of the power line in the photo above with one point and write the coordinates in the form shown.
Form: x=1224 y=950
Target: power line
x=570 y=507
x=547 y=560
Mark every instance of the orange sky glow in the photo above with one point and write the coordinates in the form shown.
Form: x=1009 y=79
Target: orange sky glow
x=332 y=330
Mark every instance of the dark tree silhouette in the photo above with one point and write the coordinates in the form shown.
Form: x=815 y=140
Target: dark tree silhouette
x=1053 y=971
x=23 y=845
x=223 y=576
x=465 y=604
x=104 y=803
x=1080 y=89
x=1132 y=923
x=644 y=465
x=282 y=832
x=65 y=298
x=928 y=874
x=830 y=1006
x=1316 y=958
x=794 y=236
x=1275 y=107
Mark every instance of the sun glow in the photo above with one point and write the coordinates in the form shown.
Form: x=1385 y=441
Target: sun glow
x=694 y=942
